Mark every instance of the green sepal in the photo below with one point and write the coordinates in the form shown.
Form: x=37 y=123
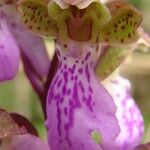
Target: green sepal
x=122 y=28
x=36 y=18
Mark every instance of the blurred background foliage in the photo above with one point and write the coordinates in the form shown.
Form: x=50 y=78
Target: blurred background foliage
x=18 y=96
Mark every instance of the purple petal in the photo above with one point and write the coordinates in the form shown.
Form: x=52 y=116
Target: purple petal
x=77 y=104
x=128 y=113
x=9 y=51
x=28 y=142
x=31 y=45
x=35 y=57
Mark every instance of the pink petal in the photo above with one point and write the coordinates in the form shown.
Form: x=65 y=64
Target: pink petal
x=9 y=51
x=31 y=45
x=77 y=104
x=128 y=114
x=35 y=57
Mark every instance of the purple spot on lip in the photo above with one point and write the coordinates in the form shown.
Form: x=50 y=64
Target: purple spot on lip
x=72 y=78
x=61 y=99
x=68 y=92
x=65 y=111
x=71 y=70
x=64 y=89
x=90 y=89
x=15 y=25
x=65 y=76
x=87 y=55
x=76 y=77
x=89 y=101
x=81 y=86
x=59 y=83
x=87 y=73
x=80 y=70
x=73 y=103
x=84 y=98
x=59 y=119
x=65 y=66
x=56 y=97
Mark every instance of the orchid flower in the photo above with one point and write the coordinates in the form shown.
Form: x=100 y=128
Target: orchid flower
x=81 y=113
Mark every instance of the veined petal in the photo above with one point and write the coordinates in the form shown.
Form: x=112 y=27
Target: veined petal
x=9 y=51
x=78 y=107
